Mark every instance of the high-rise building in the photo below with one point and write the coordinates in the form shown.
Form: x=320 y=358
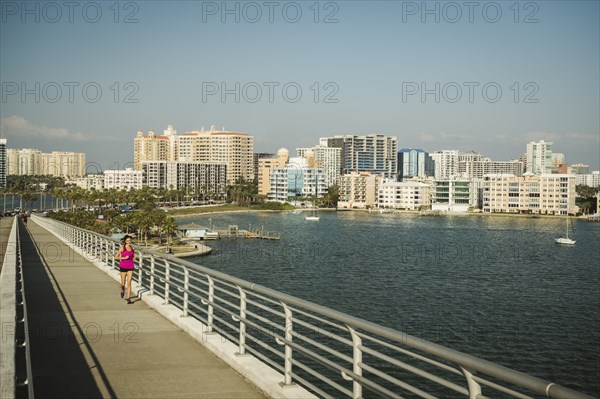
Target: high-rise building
x=265 y=165
x=3 y=162
x=151 y=147
x=375 y=153
x=455 y=195
x=34 y=162
x=539 y=157
x=446 y=164
x=486 y=166
x=258 y=156
x=127 y=179
x=580 y=169
x=327 y=158
x=414 y=162
x=195 y=177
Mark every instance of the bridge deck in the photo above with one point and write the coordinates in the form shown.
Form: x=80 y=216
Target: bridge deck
x=87 y=342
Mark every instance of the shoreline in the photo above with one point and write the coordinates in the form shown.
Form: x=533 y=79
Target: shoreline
x=394 y=212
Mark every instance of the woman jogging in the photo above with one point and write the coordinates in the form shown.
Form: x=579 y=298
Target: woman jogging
x=126 y=256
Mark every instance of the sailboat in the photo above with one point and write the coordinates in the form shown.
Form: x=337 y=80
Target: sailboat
x=314 y=216
x=565 y=240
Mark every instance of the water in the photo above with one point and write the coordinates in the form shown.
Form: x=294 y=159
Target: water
x=496 y=287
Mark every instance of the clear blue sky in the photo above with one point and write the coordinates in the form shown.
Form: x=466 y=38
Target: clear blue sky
x=372 y=54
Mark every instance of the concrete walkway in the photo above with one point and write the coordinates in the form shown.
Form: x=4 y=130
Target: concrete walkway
x=5 y=226
x=86 y=342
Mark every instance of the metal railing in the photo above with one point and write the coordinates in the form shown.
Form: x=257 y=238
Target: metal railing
x=328 y=352
x=16 y=372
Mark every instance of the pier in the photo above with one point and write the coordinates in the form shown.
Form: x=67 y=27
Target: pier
x=196 y=332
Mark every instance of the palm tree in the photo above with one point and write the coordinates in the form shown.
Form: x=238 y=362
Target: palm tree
x=169 y=226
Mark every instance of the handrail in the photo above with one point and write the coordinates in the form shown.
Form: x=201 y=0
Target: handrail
x=266 y=323
x=15 y=362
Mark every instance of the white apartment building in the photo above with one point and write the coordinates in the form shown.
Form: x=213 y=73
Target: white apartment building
x=296 y=180
x=88 y=182
x=407 y=195
x=477 y=169
x=127 y=179
x=455 y=195
x=358 y=190
x=194 y=177
x=327 y=158
x=24 y=161
x=539 y=157
x=589 y=179
x=446 y=164
x=542 y=193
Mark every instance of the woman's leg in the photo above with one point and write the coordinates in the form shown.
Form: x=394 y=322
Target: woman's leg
x=129 y=278
x=123 y=274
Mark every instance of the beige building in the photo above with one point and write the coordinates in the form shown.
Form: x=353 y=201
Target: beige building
x=127 y=179
x=234 y=149
x=479 y=168
x=265 y=165
x=150 y=147
x=543 y=193
x=34 y=162
x=358 y=190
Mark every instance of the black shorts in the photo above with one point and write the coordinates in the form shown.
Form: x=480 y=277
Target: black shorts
x=125 y=270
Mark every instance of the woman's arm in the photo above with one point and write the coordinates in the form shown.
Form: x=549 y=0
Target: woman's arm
x=118 y=254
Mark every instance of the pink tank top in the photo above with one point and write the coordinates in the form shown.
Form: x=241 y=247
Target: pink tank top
x=129 y=262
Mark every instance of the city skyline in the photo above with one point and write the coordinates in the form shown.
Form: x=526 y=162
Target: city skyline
x=445 y=77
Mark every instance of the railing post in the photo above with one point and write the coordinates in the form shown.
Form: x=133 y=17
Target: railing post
x=287 y=379
x=152 y=275
x=242 y=347
x=167 y=273
x=140 y=272
x=356 y=361
x=186 y=286
x=211 y=298
x=474 y=387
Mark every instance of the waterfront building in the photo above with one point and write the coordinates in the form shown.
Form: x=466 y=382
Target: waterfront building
x=358 y=190
x=374 y=153
x=3 y=163
x=414 y=162
x=558 y=163
x=539 y=157
x=543 y=193
x=455 y=195
x=588 y=179
x=296 y=180
x=408 y=195
x=477 y=169
x=327 y=158
x=194 y=177
x=151 y=147
x=265 y=165
x=127 y=179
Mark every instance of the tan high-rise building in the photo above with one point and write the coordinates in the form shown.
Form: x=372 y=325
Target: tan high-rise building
x=265 y=165
x=151 y=147
x=234 y=149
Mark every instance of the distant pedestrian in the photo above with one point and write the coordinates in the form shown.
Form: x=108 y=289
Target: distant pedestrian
x=25 y=218
x=126 y=258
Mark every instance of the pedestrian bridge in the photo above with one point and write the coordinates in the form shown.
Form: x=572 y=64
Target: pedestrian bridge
x=195 y=332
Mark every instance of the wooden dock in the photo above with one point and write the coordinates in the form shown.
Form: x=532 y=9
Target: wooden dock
x=257 y=233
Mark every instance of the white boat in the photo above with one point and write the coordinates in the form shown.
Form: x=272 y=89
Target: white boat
x=565 y=240
x=314 y=218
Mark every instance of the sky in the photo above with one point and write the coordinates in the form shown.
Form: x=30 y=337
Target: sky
x=483 y=76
